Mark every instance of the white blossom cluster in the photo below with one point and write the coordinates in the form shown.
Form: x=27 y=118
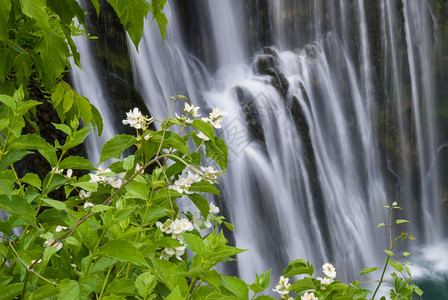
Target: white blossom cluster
x=308 y=296
x=134 y=118
x=183 y=184
x=57 y=245
x=114 y=182
x=282 y=287
x=330 y=274
x=178 y=226
x=216 y=117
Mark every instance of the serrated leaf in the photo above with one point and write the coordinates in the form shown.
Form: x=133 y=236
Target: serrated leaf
x=33 y=180
x=204 y=127
x=124 y=251
x=76 y=162
x=18 y=207
x=29 y=142
x=205 y=187
x=8 y=101
x=64 y=128
x=115 y=146
x=36 y=9
x=145 y=283
x=12 y=157
x=4 y=17
x=369 y=270
x=261 y=283
x=54 y=54
x=201 y=203
x=99 y=208
x=298 y=267
x=217 y=151
x=303 y=285
x=236 y=286
x=87 y=185
x=132 y=17
x=69 y=99
x=195 y=243
x=84 y=109
x=69 y=289
x=54 y=203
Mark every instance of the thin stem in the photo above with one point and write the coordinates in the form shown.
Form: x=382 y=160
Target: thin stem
x=92 y=255
x=384 y=270
x=103 y=288
x=25 y=283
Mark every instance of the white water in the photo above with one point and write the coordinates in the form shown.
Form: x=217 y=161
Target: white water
x=269 y=191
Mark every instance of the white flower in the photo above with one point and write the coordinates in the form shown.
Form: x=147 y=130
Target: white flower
x=177 y=227
x=213 y=209
x=329 y=270
x=179 y=252
x=166 y=227
x=167 y=253
x=186 y=225
x=88 y=204
x=69 y=173
x=59 y=228
x=73 y=265
x=84 y=195
x=308 y=296
x=201 y=135
x=134 y=118
x=208 y=223
x=325 y=281
x=34 y=261
x=115 y=182
x=210 y=174
x=146 y=137
x=183 y=184
x=197 y=222
x=215 y=118
x=192 y=109
x=57 y=245
x=282 y=287
x=56 y=170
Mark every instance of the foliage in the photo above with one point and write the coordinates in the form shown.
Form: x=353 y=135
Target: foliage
x=119 y=233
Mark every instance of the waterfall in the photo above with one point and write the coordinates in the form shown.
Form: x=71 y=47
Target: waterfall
x=312 y=156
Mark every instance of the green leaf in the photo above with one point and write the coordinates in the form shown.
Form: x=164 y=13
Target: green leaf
x=390 y=253
x=44 y=292
x=87 y=185
x=236 y=286
x=396 y=265
x=10 y=291
x=50 y=156
x=4 y=16
x=19 y=207
x=297 y=267
x=100 y=207
x=58 y=95
x=121 y=287
x=69 y=98
x=23 y=66
x=24 y=106
x=36 y=9
x=84 y=109
x=205 y=187
x=69 y=289
x=76 y=162
x=33 y=180
x=195 y=243
x=303 y=285
x=56 y=182
x=115 y=146
x=369 y=270
x=137 y=190
x=64 y=128
x=175 y=295
x=3 y=124
x=380 y=225
x=132 y=14
x=145 y=283
x=217 y=151
x=7 y=100
x=54 y=203
x=29 y=142
x=157 y=12
x=77 y=138
x=6 y=62
x=204 y=127
x=97 y=120
x=261 y=283
x=6 y=186
x=12 y=157
x=124 y=251
x=54 y=51
x=401 y=221
x=406 y=254
x=201 y=203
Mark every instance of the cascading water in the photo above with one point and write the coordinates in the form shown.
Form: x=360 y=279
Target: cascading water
x=308 y=170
